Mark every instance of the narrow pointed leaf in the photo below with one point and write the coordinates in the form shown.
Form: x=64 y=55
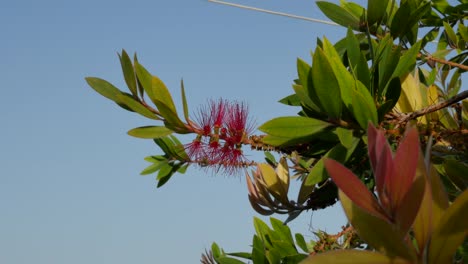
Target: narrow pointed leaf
x=162 y=94
x=184 y=101
x=405 y=163
x=128 y=72
x=363 y=106
x=433 y=205
x=350 y=184
x=136 y=106
x=407 y=62
x=380 y=156
x=352 y=257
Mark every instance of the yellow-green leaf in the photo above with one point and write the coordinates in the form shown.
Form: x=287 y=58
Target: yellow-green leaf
x=451 y=231
x=150 y=132
x=352 y=257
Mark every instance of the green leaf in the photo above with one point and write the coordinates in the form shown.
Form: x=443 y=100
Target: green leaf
x=318 y=173
x=451 y=231
x=400 y=20
x=136 y=106
x=363 y=106
x=228 y=260
x=463 y=30
x=407 y=62
x=128 y=72
x=150 y=132
x=306 y=98
x=326 y=85
x=292 y=100
x=161 y=94
x=261 y=229
x=450 y=33
x=144 y=78
x=300 y=241
x=457 y=172
x=351 y=257
x=215 y=250
x=345 y=136
x=184 y=101
x=153 y=168
x=258 y=251
x=376 y=11
x=240 y=255
x=282 y=230
x=172 y=120
x=104 y=88
x=339 y=15
x=357 y=62
x=292 y=127
x=340 y=77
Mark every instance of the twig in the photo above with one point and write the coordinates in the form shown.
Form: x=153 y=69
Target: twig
x=433 y=108
x=442 y=61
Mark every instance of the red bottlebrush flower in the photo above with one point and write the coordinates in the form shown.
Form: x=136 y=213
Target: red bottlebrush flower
x=239 y=127
x=211 y=118
x=218 y=111
x=222 y=129
x=196 y=150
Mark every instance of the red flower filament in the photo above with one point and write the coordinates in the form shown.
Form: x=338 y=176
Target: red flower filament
x=222 y=128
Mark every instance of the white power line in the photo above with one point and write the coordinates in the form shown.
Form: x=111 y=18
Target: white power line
x=274 y=12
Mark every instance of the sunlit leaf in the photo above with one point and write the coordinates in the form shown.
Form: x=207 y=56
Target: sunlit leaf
x=326 y=85
x=352 y=257
x=150 y=132
x=338 y=14
x=450 y=232
x=293 y=127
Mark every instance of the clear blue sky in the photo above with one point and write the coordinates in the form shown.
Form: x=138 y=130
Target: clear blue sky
x=70 y=190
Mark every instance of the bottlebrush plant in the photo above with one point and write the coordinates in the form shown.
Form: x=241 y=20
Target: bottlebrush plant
x=383 y=73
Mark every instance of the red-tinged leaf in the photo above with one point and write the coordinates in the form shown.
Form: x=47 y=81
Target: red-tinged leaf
x=450 y=232
x=406 y=213
x=354 y=188
x=384 y=236
x=377 y=147
x=351 y=257
x=405 y=163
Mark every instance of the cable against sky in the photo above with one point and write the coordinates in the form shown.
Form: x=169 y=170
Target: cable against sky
x=274 y=12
